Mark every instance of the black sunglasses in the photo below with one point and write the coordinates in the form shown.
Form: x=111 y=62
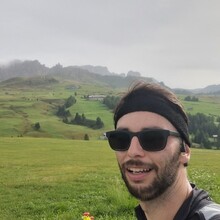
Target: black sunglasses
x=150 y=139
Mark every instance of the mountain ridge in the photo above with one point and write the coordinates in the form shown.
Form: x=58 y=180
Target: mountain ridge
x=86 y=73
x=74 y=73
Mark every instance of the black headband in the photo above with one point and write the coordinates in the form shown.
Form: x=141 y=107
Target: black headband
x=140 y=101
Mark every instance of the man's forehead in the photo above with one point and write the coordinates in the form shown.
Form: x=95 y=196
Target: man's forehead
x=142 y=120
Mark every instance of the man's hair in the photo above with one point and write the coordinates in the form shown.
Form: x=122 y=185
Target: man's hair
x=155 y=98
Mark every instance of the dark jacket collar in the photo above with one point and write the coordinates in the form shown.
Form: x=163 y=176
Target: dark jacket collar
x=196 y=200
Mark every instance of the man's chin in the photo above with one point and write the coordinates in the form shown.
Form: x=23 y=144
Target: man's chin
x=138 y=189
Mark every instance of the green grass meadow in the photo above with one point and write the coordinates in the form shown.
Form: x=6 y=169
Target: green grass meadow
x=208 y=104
x=53 y=174
x=45 y=178
x=20 y=109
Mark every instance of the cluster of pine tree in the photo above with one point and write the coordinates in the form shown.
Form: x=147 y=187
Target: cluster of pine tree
x=82 y=120
x=111 y=101
x=64 y=113
x=191 y=99
x=203 y=128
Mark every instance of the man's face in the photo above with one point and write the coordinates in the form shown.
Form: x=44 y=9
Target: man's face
x=148 y=175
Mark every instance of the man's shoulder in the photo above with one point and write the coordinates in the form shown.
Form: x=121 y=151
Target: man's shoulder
x=210 y=211
x=199 y=206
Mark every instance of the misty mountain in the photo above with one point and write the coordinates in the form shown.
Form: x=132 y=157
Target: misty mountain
x=82 y=75
x=211 y=89
x=86 y=74
x=102 y=70
x=22 y=68
x=133 y=73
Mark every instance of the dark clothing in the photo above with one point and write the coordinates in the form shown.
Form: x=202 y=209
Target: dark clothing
x=198 y=206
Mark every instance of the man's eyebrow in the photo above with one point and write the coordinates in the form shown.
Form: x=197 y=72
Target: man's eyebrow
x=122 y=129
x=142 y=129
x=152 y=127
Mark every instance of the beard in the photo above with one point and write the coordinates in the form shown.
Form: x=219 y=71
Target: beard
x=163 y=180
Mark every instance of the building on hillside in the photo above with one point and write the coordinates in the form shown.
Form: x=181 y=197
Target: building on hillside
x=96 y=97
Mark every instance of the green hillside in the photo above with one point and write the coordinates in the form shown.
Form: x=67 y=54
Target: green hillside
x=25 y=102
x=23 y=105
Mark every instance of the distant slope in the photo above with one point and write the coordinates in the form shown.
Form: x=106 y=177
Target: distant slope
x=23 y=82
x=99 y=75
x=211 y=89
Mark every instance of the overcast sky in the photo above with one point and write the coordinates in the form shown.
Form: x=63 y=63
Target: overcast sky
x=174 y=41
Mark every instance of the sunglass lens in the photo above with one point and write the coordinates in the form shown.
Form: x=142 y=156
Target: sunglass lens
x=118 y=140
x=154 y=140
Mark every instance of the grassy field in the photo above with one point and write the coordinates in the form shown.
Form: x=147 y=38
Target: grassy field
x=52 y=174
x=20 y=108
x=45 y=178
x=207 y=104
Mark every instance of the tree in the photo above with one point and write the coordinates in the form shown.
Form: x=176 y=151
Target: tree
x=37 y=126
x=70 y=101
x=187 y=98
x=111 y=101
x=99 y=123
x=83 y=118
x=218 y=137
x=191 y=99
x=86 y=137
x=202 y=128
x=202 y=138
x=65 y=120
x=62 y=112
x=78 y=119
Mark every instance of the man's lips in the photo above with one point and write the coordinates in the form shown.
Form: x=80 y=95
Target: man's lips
x=136 y=166
x=136 y=170
x=138 y=174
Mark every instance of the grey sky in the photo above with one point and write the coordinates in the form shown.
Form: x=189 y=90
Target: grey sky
x=174 y=41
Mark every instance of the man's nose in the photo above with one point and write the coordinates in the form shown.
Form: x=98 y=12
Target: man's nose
x=135 y=149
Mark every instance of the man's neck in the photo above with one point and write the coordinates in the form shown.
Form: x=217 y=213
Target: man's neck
x=167 y=205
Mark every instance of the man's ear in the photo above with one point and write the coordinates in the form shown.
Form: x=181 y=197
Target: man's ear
x=185 y=154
